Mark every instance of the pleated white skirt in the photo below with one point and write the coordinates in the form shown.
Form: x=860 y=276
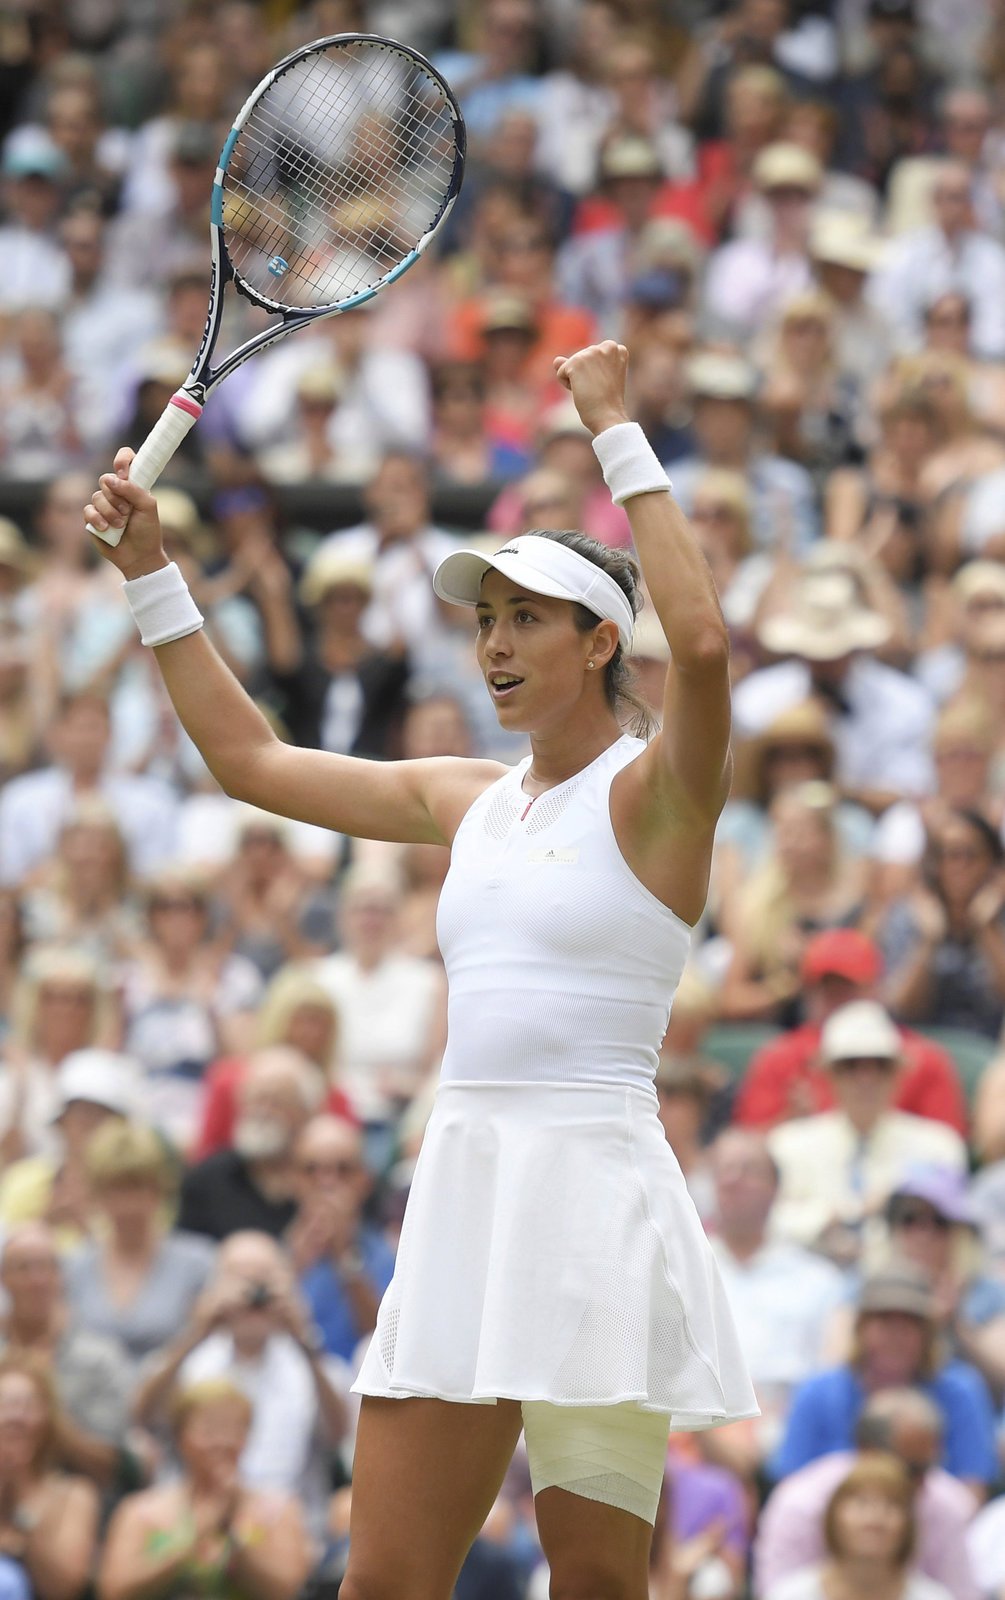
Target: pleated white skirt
x=550 y=1251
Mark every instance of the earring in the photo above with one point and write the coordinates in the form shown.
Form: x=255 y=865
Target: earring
x=591 y=665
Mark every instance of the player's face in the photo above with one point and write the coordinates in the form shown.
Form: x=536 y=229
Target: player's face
x=532 y=655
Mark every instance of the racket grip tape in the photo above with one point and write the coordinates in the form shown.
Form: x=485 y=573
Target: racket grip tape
x=179 y=415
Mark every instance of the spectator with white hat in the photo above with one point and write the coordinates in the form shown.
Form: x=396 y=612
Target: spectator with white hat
x=839 y=1166
x=723 y=387
x=93 y=1086
x=749 y=280
x=881 y=719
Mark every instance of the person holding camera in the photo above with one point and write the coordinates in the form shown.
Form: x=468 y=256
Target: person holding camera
x=250 y=1326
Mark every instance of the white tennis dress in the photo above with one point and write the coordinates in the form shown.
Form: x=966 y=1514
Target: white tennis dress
x=550 y=1250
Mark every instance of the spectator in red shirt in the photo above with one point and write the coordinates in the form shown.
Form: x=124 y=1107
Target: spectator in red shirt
x=783 y=1079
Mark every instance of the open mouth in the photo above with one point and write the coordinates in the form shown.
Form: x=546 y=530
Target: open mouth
x=503 y=684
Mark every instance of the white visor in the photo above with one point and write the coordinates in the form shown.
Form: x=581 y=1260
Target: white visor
x=542 y=566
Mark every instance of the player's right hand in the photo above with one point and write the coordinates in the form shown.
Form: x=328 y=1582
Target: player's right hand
x=117 y=502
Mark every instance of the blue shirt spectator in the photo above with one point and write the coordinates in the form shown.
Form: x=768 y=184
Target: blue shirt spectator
x=325 y=1291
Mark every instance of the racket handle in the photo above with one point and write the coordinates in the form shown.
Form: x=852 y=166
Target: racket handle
x=179 y=415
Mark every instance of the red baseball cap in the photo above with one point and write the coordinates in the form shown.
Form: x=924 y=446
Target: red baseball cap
x=842 y=953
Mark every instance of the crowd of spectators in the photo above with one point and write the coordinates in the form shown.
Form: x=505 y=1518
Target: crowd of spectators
x=220 y=1031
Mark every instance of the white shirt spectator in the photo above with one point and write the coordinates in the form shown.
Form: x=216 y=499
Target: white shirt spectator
x=883 y=739
x=922 y=265
x=286 y=1449
x=384 y=406
x=403 y=604
x=986 y=1543
x=809 y=1585
x=34 y=807
x=35 y=271
x=782 y=1299
x=747 y=283
x=386 y=1017
x=983 y=512
x=829 y=1172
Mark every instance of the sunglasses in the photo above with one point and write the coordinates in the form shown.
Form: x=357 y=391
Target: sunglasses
x=919 y=1217
x=855 y=1064
x=335 y=1169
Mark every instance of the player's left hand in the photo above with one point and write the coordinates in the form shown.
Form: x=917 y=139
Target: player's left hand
x=596 y=378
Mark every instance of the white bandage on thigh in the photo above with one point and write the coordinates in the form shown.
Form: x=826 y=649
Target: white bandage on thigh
x=162 y=606
x=614 y=1454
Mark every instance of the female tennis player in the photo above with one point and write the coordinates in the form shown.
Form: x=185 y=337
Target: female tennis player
x=552 y=1273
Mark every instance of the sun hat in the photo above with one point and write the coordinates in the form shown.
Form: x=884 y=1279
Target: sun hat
x=826 y=619
x=860 y=1031
x=942 y=1188
x=979 y=577
x=842 y=239
x=100 y=1077
x=784 y=165
x=630 y=156
x=334 y=569
x=717 y=375
x=841 y=953
x=899 y=1287
x=542 y=566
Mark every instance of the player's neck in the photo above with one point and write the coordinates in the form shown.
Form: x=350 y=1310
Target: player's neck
x=559 y=756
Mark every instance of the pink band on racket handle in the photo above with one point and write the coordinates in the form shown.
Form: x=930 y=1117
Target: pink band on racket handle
x=179 y=415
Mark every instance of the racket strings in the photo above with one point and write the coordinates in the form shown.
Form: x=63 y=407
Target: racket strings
x=341 y=168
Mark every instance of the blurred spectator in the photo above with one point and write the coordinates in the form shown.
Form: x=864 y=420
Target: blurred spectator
x=89 y=1373
x=83 y=895
x=344 y=1264
x=843 y=252
x=684 y=1092
x=198 y=94
x=838 y=1166
x=951 y=253
x=784 y=1078
x=901 y=1423
x=49 y=1525
x=209 y=1528
x=497 y=75
x=94 y=1086
x=40 y=407
x=723 y=389
x=871 y=1534
x=35 y=806
x=462 y=451
x=339 y=691
x=251 y=1328
x=251 y=1185
x=61 y=1004
x=930 y=1221
x=295 y=1010
x=575 y=101
x=749 y=280
x=881 y=719
x=945 y=945
x=401 y=546
x=565 y=454
x=391 y=1007
x=36 y=271
x=135 y=1281
x=804 y=884
x=895 y=1347
x=147 y=247
x=13 y=945
x=782 y=1296
x=185 y=997
x=272 y=911
x=986 y=1544
x=312 y=455
x=809 y=402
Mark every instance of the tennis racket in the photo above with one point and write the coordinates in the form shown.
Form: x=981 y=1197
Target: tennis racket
x=339 y=170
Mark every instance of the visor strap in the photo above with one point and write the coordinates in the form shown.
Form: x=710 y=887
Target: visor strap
x=629 y=462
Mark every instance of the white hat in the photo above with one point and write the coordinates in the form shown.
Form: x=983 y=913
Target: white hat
x=543 y=566
x=786 y=165
x=858 y=1031
x=102 y=1078
x=720 y=375
x=826 y=620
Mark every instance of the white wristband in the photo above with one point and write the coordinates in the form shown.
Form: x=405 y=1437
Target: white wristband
x=630 y=464
x=162 y=606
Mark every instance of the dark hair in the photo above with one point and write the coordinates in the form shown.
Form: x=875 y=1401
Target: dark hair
x=619 y=674
x=881 y=1475
x=988 y=835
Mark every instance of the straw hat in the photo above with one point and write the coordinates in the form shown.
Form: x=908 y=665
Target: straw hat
x=334 y=569
x=841 y=239
x=787 y=166
x=826 y=620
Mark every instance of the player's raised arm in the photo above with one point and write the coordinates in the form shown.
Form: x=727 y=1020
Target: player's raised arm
x=417 y=801
x=688 y=761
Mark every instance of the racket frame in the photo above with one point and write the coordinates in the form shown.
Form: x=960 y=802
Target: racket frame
x=185 y=406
